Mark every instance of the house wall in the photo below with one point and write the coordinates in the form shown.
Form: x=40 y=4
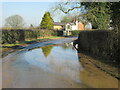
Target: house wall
x=68 y=27
x=74 y=27
x=57 y=27
x=77 y=26
x=80 y=26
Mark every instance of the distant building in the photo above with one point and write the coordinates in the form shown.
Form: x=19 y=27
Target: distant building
x=68 y=27
x=74 y=26
x=81 y=26
x=58 y=26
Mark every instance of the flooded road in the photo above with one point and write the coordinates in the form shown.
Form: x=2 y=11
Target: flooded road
x=52 y=64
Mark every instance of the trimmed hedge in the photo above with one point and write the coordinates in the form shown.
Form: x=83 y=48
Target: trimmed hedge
x=101 y=43
x=75 y=32
x=19 y=35
x=13 y=36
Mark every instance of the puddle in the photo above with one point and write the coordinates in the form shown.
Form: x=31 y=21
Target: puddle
x=51 y=66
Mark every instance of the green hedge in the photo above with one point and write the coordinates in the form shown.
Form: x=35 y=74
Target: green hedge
x=102 y=43
x=13 y=36
x=75 y=32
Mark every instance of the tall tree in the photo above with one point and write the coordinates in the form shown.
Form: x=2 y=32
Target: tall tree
x=47 y=21
x=115 y=16
x=95 y=12
x=14 y=21
x=98 y=14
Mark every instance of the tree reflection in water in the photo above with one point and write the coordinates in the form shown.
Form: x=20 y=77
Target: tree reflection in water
x=67 y=46
x=46 y=50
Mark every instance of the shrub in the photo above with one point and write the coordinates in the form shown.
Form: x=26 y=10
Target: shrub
x=75 y=33
x=102 y=43
x=13 y=36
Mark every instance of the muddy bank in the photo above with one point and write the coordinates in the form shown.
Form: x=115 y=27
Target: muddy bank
x=94 y=70
x=93 y=76
x=106 y=67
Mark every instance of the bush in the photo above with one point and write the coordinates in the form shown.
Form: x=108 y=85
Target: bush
x=75 y=32
x=102 y=43
x=13 y=36
x=59 y=33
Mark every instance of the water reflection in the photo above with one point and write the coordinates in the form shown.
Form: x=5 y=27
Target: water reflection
x=46 y=50
x=67 y=46
x=53 y=66
x=60 y=59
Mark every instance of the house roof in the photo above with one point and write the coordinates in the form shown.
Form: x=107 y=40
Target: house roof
x=59 y=23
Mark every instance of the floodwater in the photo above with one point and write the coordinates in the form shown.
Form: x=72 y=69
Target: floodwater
x=52 y=64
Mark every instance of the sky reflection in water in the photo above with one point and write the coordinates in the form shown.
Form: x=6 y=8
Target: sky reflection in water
x=60 y=59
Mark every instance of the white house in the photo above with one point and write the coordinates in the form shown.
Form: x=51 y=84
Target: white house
x=68 y=27
x=71 y=26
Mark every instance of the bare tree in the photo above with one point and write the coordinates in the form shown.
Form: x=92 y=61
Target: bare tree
x=14 y=21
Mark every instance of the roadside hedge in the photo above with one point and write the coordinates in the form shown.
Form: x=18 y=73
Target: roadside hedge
x=75 y=32
x=101 y=43
x=13 y=36
x=19 y=35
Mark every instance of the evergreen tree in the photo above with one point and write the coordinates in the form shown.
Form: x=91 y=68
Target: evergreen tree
x=47 y=21
x=98 y=14
x=115 y=16
x=31 y=26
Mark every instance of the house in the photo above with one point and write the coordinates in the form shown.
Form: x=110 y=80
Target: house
x=74 y=26
x=81 y=26
x=68 y=27
x=58 y=26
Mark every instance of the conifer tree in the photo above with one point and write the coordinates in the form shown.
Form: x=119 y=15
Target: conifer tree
x=46 y=22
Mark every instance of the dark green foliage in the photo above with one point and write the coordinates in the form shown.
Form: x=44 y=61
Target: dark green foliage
x=102 y=43
x=13 y=36
x=98 y=14
x=115 y=15
x=31 y=26
x=75 y=33
x=59 y=33
x=30 y=34
x=47 y=22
